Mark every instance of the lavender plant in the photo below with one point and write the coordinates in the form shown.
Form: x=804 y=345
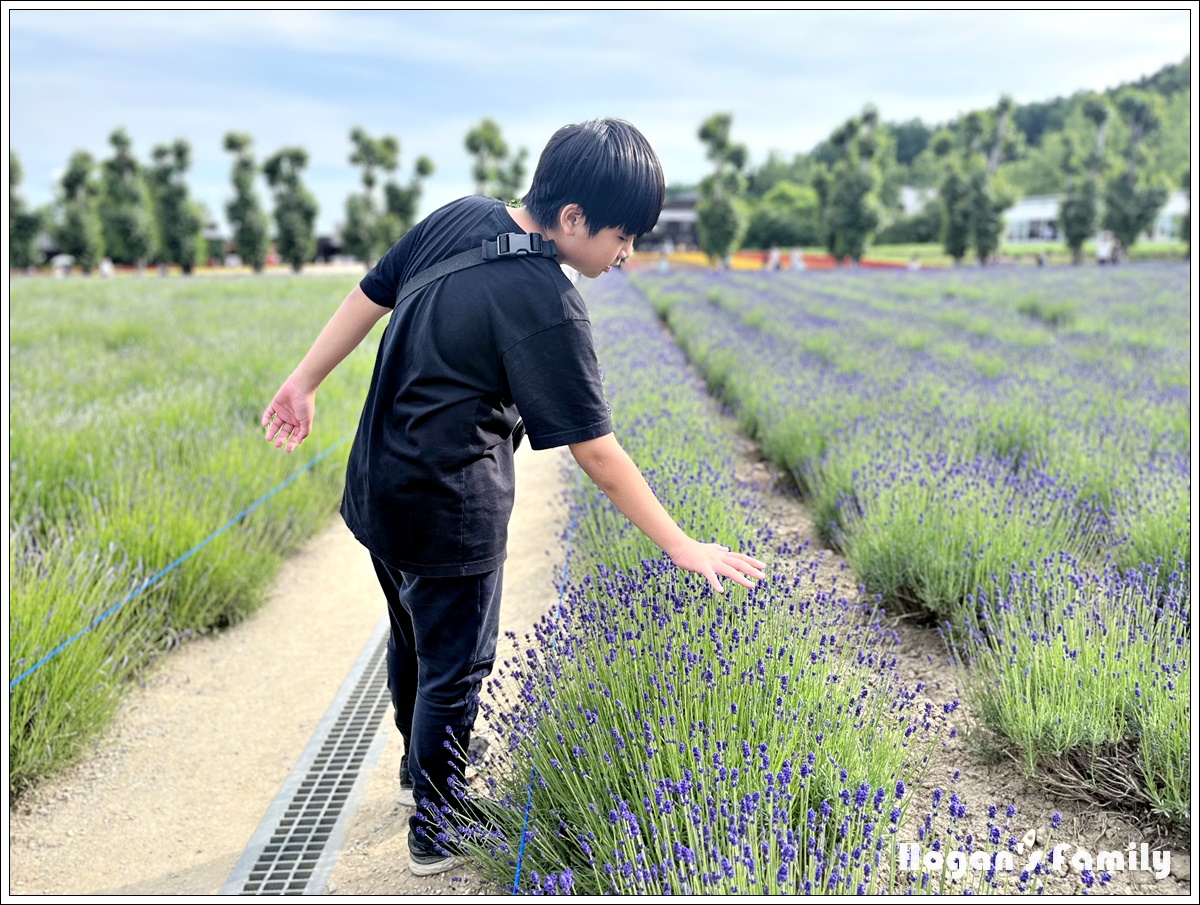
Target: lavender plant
x=664 y=740
x=953 y=431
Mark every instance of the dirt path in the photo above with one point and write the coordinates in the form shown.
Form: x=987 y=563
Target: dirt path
x=169 y=799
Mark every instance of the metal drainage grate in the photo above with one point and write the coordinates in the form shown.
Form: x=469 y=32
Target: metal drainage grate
x=294 y=849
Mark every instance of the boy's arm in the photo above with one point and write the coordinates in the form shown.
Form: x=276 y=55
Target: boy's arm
x=606 y=463
x=289 y=417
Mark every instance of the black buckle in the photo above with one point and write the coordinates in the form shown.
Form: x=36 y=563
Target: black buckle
x=513 y=245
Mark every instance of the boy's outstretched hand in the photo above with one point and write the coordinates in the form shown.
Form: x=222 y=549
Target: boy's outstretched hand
x=713 y=560
x=289 y=417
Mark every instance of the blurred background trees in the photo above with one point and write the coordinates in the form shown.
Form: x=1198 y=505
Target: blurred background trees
x=126 y=209
x=245 y=212
x=847 y=189
x=295 y=207
x=79 y=231
x=1136 y=191
x=179 y=219
x=722 y=215
x=372 y=225
x=497 y=172
x=1110 y=159
x=1079 y=208
x=25 y=224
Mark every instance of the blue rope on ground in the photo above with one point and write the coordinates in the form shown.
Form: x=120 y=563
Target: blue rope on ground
x=158 y=576
x=562 y=590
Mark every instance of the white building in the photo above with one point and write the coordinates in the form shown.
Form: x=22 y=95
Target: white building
x=1035 y=219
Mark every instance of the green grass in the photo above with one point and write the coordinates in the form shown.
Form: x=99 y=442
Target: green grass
x=135 y=408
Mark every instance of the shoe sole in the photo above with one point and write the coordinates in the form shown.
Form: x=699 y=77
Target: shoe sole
x=417 y=869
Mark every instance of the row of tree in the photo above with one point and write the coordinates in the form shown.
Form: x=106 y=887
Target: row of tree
x=137 y=214
x=836 y=198
x=1045 y=147
x=1104 y=154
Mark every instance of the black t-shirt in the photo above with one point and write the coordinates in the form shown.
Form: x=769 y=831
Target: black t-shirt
x=429 y=483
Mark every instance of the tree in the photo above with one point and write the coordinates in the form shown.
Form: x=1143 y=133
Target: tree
x=180 y=221
x=1079 y=210
x=787 y=215
x=126 y=209
x=245 y=212
x=1134 y=196
x=1001 y=141
x=80 y=232
x=362 y=236
x=973 y=196
x=494 y=171
x=925 y=226
x=295 y=207
x=953 y=195
x=912 y=137
x=400 y=201
x=850 y=208
x=372 y=228
x=24 y=225
x=721 y=218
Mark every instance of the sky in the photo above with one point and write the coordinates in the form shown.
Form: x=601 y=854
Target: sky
x=307 y=76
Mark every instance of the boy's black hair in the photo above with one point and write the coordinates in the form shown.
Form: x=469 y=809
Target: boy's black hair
x=607 y=167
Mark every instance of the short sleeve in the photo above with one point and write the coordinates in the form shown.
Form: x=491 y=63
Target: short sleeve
x=383 y=281
x=555 y=382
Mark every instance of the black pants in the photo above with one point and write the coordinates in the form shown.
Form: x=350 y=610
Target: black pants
x=442 y=647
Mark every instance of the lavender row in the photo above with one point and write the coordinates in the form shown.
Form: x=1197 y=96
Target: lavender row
x=958 y=434
x=667 y=740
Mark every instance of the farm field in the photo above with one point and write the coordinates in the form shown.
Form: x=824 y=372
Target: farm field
x=622 y=699
x=673 y=732
x=135 y=406
x=1008 y=453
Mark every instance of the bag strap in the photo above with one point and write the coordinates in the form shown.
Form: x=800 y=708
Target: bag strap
x=505 y=245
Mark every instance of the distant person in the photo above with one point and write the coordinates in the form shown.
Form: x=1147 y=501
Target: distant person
x=664 y=262
x=914 y=263
x=772 y=259
x=106 y=267
x=1104 y=248
x=797 y=259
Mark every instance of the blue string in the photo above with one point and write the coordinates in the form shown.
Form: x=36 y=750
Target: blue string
x=562 y=590
x=154 y=579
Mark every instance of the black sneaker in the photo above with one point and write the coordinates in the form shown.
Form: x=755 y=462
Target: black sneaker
x=406 y=785
x=427 y=856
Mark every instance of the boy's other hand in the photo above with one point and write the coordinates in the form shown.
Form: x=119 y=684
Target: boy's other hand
x=713 y=560
x=289 y=417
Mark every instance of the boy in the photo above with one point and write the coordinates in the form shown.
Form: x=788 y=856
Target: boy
x=464 y=360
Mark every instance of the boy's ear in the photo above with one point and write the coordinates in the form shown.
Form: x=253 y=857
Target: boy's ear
x=571 y=219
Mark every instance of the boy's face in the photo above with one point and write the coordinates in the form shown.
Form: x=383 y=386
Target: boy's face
x=591 y=255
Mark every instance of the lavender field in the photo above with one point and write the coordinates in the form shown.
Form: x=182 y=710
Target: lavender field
x=1007 y=452
x=662 y=739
